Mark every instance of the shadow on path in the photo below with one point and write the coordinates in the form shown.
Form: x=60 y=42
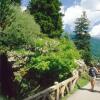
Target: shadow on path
x=81 y=88
x=95 y=91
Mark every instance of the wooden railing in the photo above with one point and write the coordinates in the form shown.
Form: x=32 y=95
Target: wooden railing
x=57 y=91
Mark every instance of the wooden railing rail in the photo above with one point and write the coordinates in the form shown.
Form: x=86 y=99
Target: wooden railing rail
x=57 y=91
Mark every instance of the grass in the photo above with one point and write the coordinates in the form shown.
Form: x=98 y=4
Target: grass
x=84 y=79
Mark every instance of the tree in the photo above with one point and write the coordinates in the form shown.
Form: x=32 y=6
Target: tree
x=5 y=13
x=47 y=14
x=82 y=38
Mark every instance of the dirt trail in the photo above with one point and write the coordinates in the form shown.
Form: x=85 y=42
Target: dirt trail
x=85 y=93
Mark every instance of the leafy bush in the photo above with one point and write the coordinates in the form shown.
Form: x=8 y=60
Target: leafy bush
x=53 y=59
x=6 y=15
x=22 y=31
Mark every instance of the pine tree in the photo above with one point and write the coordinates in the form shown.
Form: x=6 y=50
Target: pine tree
x=82 y=38
x=47 y=15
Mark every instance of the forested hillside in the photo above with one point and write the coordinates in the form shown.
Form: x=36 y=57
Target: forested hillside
x=95 y=46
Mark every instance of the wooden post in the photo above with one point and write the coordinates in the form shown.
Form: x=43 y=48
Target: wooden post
x=52 y=96
x=73 y=84
x=44 y=97
x=57 y=91
x=62 y=90
x=67 y=89
x=70 y=86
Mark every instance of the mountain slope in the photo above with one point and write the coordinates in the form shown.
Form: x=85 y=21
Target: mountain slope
x=95 y=46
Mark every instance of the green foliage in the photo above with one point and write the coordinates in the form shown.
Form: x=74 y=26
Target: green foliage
x=22 y=31
x=47 y=14
x=54 y=58
x=86 y=55
x=6 y=11
x=3 y=49
x=82 y=38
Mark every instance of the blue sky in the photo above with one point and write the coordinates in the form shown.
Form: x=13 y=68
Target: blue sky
x=72 y=9
x=69 y=3
x=24 y=2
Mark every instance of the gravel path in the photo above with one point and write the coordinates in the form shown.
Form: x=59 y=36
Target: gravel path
x=85 y=93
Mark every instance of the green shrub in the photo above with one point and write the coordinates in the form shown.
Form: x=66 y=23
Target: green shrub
x=54 y=58
x=22 y=31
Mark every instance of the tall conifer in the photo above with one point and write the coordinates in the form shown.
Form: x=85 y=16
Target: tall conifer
x=82 y=39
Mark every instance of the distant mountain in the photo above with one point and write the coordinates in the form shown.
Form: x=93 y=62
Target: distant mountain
x=95 y=42
x=95 y=46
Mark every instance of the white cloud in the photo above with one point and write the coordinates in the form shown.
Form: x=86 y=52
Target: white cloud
x=94 y=16
x=98 y=7
x=95 y=32
x=90 y=4
x=71 y=14
x=92 y=9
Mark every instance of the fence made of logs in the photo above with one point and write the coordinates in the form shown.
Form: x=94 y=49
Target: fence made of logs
x=57 y=91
